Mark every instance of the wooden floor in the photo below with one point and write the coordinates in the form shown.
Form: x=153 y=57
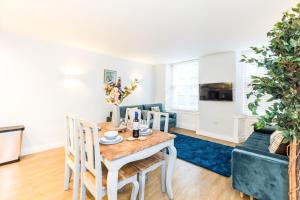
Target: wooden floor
x=40 y=176
x=193 y=134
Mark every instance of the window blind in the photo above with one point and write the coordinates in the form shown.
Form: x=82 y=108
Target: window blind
x=184 y=85
x=248 y=71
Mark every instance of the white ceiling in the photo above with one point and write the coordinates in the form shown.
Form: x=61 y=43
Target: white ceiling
x=151 y=31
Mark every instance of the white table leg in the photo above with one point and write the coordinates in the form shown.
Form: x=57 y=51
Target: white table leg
x=164 y=171
x=112 y=184
x=171 y=163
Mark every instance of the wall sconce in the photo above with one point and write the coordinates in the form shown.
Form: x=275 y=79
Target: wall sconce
x=72 y=72
x=72 y=83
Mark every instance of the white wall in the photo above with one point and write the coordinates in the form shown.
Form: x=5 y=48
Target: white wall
x=216 y=119
x=40 y=82
x=160 y=83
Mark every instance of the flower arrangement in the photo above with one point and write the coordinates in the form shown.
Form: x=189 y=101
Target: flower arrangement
x=115 y=94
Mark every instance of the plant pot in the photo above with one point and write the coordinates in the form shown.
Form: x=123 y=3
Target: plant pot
x=116 y=116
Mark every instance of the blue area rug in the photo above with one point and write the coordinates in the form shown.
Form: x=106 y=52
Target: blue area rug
x=212 y=156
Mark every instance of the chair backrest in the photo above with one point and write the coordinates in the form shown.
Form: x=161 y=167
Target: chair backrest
x=72 y=137
x=156 y=116
x=129 y=116
x=90 y=150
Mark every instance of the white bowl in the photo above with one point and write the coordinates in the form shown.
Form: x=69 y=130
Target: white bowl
x=143 y=127
x=111 y=135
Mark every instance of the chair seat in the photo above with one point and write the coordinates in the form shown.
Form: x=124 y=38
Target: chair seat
x=148 y=162
x=127 y=171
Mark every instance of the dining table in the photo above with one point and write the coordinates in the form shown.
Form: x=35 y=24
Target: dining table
x=115 y=156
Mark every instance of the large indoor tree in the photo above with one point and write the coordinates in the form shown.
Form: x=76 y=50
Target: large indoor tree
x=281 y=83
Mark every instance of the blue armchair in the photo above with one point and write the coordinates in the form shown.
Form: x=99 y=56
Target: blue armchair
x=258 y=173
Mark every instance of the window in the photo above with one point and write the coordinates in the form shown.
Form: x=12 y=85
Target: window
x=248 y=71
x=184 y=86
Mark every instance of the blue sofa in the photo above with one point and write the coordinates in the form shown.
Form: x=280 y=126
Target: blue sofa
x=172 y=116
x=258 y=173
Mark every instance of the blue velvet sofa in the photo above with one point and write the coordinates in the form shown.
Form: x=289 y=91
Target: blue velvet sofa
x=172 y=116
x=258 y=173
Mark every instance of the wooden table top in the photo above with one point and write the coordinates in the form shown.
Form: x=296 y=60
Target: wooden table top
x=125 y=148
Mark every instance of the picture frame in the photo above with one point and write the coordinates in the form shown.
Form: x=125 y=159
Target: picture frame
x=110 y=76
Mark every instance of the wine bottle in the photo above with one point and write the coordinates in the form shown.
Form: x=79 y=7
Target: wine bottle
x=135 y=126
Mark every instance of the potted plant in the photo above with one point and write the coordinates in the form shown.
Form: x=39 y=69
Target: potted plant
x=281 y=59
x=115 y=95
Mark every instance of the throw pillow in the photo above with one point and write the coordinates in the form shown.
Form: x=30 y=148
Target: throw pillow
x=272 y=137
x=155 y=109
x=276 y=143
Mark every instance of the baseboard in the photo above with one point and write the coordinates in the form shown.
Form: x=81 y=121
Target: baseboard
x=184 y=126
x=218 y=136
x=39 y=148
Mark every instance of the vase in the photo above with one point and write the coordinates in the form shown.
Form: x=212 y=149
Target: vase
x=116 y=116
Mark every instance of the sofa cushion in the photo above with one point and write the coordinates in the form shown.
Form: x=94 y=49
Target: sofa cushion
x=258 y=141
x=148 y=106
x=155 y=108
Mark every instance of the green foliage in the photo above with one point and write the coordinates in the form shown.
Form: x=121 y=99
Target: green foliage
x=281 y=59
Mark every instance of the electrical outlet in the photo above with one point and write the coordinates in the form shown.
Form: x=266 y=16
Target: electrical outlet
x=216 y=123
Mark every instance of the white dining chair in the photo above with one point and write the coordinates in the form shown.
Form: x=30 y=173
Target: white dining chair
x=93 y=172
x=72 y=155
x=129 y=114
x=156 y=118
x=149 y=164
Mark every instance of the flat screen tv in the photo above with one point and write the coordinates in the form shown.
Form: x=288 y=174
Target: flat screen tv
x=215 y=92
